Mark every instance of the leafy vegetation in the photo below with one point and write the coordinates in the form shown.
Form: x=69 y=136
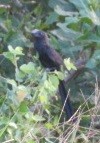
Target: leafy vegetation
x=30 y=110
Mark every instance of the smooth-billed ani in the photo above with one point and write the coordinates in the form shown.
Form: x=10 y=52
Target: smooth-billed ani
x=49 y=58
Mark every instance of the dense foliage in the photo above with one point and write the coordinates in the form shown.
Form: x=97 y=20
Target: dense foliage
x=30 y=111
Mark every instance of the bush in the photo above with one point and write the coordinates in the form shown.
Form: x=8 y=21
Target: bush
x=30 y=108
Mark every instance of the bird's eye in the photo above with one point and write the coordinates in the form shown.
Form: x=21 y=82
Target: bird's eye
x=41 y=33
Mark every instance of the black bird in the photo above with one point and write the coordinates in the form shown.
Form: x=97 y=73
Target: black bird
x=51 y=59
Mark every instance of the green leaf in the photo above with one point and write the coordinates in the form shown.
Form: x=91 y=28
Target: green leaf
x=86 y=20
x=53 y=3
x=8 y=24
x=60 y=75
x=13 y=125
x=69 y=20
x=93 y=38
x=94 y=17
x=16 y=51
x=19 y=75
x=12 y=82
x=49 y=125
x=52 y=18
x=38 y=118
x=43 y=95
x=80 y=4
x=17 y=39
x=66 y=34
x=89 y=37
x=3 y=86
x=93 y=62
x=23 y=107
x=61 y=11
x=54 y=82
x=97 y=54
x=27 y=68
x=51 y=84
x=9 y=56
x=2 y=10
x=69 y=65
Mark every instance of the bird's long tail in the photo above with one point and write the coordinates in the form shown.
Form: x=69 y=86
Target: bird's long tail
x=65 y=100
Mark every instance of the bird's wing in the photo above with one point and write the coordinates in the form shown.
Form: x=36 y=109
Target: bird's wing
x=54 y=56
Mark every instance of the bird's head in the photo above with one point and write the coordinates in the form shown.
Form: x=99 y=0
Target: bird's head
x=38 y=34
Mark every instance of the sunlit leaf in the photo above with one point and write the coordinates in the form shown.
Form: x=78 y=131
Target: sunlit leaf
x=69 y=65
x=12 y=82
x=12 y=124
x=60 y=75
x=49 y=125
x=27 y=68
x=16 y=51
